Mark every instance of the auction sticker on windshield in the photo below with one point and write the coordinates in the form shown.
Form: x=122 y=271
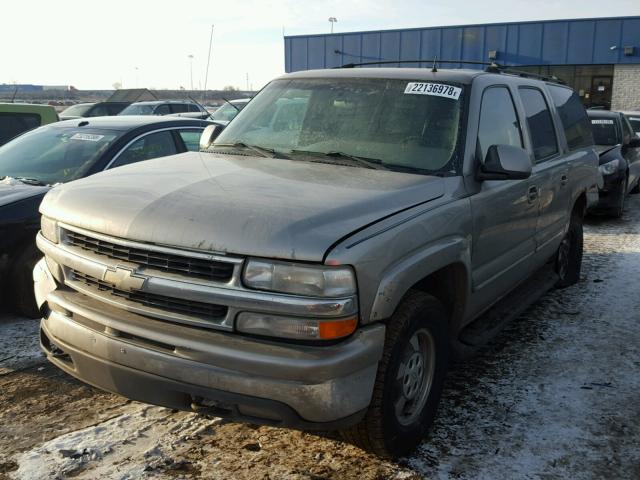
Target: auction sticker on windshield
x=87 y=137
x=601 y=122
x=436 y=89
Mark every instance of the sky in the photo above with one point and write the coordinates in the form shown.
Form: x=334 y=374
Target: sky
x=142 y=43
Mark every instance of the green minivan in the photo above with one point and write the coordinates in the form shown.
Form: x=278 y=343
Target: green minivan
x=17 y=118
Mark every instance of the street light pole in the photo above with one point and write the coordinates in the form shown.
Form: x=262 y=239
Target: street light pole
x=191 y=69
x=332 y=20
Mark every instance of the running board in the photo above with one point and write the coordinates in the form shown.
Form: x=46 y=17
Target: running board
x=490 y=323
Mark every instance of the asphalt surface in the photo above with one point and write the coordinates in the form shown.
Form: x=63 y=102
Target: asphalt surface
x=555 y=395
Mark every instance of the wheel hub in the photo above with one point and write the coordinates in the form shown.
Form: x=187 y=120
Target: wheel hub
x=414 y=377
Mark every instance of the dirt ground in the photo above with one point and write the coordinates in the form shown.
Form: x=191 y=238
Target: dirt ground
x=556 y=395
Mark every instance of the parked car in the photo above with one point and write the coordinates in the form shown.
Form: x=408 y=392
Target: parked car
x=319 y=271
x=33 y=163
x=634 y=120
x=17 y=118
x=619 y=150
x=164 y=107
x=100 y=109
x=229 y=110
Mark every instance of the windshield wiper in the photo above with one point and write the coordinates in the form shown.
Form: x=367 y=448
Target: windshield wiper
x=264 y=151
x=27 y=180
x=372 y=163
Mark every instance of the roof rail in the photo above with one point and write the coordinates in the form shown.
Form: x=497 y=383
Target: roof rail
x=434 y=68
x=491 y=67
x=520 y=73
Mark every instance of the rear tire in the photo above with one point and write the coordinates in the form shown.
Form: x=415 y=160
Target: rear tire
x=24 y=300
x=569 y=256
x=409 y=381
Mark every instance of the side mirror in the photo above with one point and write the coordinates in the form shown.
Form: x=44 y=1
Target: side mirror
x=505 y=162
x=634 y=142
x=209 y=134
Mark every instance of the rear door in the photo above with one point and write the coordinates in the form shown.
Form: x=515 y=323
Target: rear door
x=550 y=174
x=504 y=211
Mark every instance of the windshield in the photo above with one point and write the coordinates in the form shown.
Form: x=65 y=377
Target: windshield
x=76 y=110
x=53 y=154
x=635 y=123
x=138 y=110
x=226 y=112
x=399 y=124
x=605 y=131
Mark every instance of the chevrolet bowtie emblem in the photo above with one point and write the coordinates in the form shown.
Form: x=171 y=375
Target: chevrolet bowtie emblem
x=124 y=279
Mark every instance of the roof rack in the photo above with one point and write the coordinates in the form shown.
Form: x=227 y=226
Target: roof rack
x=433 y=69
x=521 y=73
x=491 y=67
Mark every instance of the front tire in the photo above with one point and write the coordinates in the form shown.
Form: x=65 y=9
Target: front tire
x=569 y=256
x=409 y=381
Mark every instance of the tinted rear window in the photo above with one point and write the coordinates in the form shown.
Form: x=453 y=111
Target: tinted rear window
x=13 y=124
x=541 y=130
x=573 y=117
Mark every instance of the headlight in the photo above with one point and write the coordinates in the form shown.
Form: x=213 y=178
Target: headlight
x=49 y=229
x=293 y=327
x=299 y=279
x=609 y=167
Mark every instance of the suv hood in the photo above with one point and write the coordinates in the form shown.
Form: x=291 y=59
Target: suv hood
x=12 y=191
x=237 y=204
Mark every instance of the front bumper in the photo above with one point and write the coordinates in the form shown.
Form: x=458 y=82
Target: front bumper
x=189 y=368
x=610 y=192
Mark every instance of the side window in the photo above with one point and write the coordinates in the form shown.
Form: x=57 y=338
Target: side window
x=162 y=110
x=627 y=130
x=543 y=135
x=193 y=108
x=13 y=124
x=191 y=139
x=179 y=107
x=154 y=145
x=498 y=120
x=98 y=111
x=573 y=116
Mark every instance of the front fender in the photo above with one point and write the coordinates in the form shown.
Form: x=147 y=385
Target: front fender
x=408 y=271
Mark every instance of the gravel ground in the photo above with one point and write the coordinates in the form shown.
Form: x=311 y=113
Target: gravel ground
x=554 y=396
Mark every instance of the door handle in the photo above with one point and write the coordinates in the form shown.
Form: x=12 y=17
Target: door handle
x=564 y=179
x=532 y=194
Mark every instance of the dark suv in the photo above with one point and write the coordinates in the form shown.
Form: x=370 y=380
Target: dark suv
x=619 y=150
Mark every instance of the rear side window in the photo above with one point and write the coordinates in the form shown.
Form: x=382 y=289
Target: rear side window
x=162 y=110
x=541 y=130
x=573 y=117
x=193 y=108
x=13 y=124
x=498 y=120
x=179 y=107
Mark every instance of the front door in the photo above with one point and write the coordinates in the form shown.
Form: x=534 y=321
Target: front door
x=504 y=212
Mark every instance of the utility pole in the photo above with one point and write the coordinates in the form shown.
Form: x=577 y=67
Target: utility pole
x=206 y=75
x=247 y=81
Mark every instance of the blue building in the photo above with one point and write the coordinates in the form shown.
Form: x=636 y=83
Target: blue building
x=598 y=57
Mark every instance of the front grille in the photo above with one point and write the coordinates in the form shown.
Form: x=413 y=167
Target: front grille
x=183 y=265
x=202 y=310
